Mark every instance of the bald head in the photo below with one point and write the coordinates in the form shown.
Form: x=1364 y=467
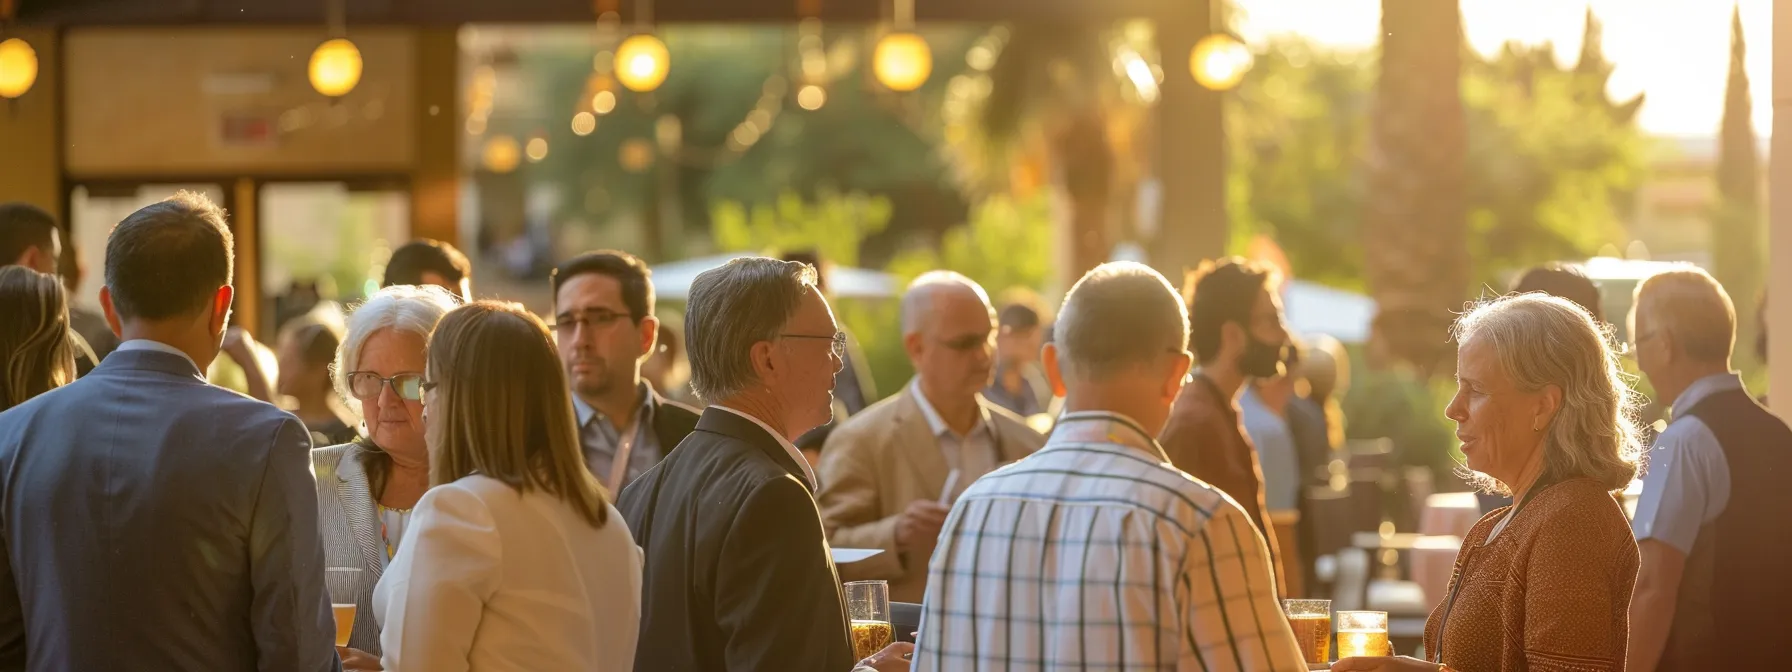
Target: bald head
x=922 y=302
x=948 y=329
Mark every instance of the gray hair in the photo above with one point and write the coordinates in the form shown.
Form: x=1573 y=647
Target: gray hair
x=1120 y=315
x=411 y=309
x=1541 y=340
x=917 y=301
x=731 y=308
x=1693 y=306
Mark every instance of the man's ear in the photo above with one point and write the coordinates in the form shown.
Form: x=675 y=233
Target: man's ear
x=112 y=320
x=1048 y=357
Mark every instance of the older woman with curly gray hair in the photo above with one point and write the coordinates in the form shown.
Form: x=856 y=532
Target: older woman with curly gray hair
x=1544 y=414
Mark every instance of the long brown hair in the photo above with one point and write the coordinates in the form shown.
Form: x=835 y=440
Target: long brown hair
x=35 y=345
x=505 y=409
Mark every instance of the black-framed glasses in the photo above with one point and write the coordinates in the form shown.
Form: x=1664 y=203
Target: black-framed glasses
x=365 y=385
x=838 y=341
x=565 y=324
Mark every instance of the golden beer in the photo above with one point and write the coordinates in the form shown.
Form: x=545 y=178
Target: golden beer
x=1313 y=632
x=345 y=622
x=870 y=637
x=1363 y=643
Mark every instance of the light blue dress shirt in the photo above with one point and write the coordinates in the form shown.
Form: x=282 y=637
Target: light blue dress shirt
x=1688 y=482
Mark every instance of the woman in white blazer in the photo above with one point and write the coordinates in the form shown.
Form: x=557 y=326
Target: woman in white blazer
x=515 y=559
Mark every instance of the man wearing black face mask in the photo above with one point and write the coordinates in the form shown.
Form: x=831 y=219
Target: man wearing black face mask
x=1236 y=331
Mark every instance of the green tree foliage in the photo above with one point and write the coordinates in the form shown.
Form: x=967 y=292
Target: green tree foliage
x=1551 y=160
x=1737 y=240
x=862 y=140
x=833 y=225
x=1006 y=244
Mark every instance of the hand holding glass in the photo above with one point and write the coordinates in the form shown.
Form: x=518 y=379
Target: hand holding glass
x=868 y=609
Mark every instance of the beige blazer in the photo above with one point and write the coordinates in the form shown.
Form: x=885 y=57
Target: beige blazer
x=879 y=461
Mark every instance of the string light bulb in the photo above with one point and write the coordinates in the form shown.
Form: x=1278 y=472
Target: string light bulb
x=902 y=61
x=642 y=62
x=1219 y=61
x=335 y=67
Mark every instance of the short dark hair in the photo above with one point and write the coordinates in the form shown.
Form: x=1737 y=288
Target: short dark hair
x=169 y=258
x=411 y=260
x=627 y=269
x=24 y=226
x=1564 y=281
x=1017 y=317
x=1219 y=292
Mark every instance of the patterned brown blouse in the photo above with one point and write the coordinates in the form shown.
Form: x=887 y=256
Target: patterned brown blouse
x=1551 y=593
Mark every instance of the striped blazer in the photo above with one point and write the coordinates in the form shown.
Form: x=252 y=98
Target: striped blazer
x=351 y=532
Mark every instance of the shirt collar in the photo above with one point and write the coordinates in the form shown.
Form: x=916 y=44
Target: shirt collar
x=155 y=346
x=1104 y=427
x=935 y=423
x=808 y=472
x=1705 y=387
x=586 y=412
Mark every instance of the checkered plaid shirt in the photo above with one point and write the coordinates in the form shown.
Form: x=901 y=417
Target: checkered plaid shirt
x=1095 y=554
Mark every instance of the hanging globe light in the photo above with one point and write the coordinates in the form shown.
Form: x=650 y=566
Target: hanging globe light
x=902 y=61
x=335 y=67
x=18 y=68
x=642 y=62
x=1219 y=61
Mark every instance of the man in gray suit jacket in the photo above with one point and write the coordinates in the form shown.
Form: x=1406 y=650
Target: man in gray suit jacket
x=152 y=521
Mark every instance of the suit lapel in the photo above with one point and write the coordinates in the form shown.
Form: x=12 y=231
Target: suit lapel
x=916 y=442
x=1008 y=448
x=357 y=502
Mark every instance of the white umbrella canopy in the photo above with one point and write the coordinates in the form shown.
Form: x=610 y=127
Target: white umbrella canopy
x=672 y=280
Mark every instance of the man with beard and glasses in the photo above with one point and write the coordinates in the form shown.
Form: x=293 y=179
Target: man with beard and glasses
x=604 y=323
x=1237 y=333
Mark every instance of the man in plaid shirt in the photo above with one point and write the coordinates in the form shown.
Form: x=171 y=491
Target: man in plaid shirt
x=1095 y=553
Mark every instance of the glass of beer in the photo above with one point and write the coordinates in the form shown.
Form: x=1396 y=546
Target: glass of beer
x=1363 y=633
x=344 y=584
x=868 y=608
x=1312 y=624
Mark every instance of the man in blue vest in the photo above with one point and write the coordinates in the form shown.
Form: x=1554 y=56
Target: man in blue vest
x=1711 y=525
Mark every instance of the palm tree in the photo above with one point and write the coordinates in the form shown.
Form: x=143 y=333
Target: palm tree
x=1414 y=225
x=1054 y=110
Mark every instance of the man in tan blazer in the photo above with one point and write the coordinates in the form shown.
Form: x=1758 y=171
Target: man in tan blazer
x=889 y=473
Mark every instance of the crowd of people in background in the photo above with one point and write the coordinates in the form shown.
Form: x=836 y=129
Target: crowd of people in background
x=1116 y=487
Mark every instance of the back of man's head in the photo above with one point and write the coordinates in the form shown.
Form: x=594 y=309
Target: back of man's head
x=1692 y=306
x=1220 y=292
x=169 y=259
x=25 y=228
x=1562 y=281
x=411 y=261
x=1121 y=317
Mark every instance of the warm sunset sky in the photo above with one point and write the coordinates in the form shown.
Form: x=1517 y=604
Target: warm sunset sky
x=1677 y=51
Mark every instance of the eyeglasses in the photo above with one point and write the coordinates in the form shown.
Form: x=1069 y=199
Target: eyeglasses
x=565 y=324
x=365 y=385
x=839 y=341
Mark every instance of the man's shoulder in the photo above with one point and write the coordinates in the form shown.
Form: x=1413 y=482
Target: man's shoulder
x=868 y=425
x=1010 y=424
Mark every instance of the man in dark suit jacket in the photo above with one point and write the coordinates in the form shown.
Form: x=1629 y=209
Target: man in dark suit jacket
x=604 y=326
x=152 y=521
x=738 y=574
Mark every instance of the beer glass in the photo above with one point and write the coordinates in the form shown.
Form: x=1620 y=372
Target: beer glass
x=344 y=584
x=1312 y=624
x=868 y=608
x=1363 y=633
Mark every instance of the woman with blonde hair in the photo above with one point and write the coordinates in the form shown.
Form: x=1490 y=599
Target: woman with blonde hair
x=35 y=342
x=515 y=558
x=1545 y=414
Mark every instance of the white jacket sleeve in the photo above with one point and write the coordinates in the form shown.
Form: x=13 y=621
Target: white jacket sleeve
x=432 y=597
